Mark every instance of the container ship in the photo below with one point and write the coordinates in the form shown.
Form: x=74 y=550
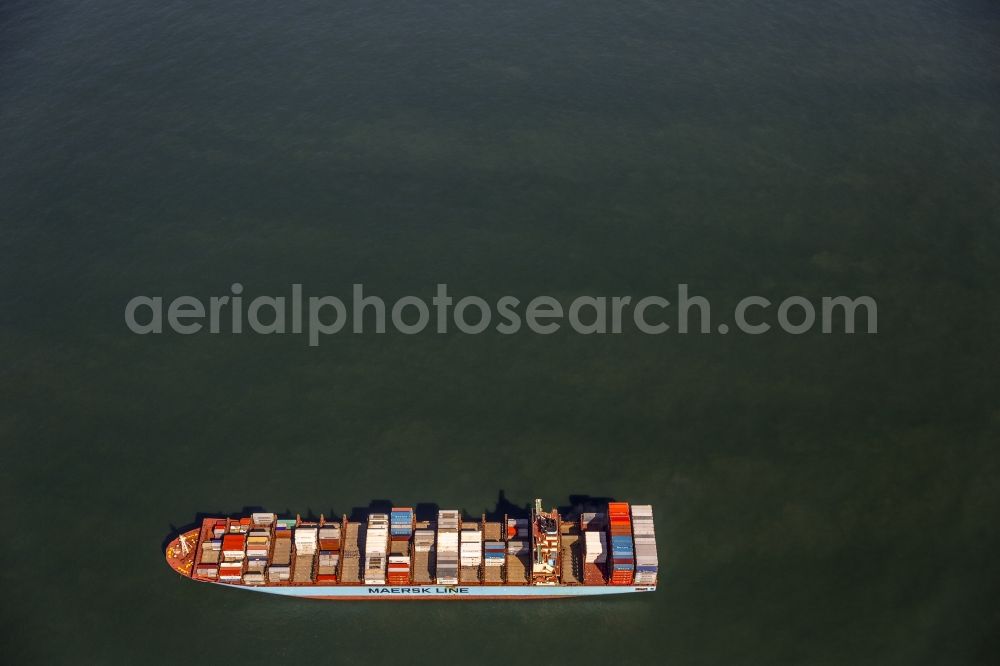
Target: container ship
x=395 y=556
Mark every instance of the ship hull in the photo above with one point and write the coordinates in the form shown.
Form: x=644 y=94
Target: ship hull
x=441 y=592
x=504 y=559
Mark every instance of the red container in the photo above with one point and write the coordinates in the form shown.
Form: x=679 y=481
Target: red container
x=234 y=542
x=326 y=578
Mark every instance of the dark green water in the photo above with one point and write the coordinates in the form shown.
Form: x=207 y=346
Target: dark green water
x=820 y=499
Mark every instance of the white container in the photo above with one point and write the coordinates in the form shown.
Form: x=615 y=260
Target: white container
x=595 y=547
x=305 y=535
x=448 y=541
x=448 y=520
x=423 y=541
x=278 y=573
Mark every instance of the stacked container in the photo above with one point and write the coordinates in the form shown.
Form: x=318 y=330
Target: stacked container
x=329 y=537
x=472 y=548
x=231 y=571
x=399 y=570
x=254 y=578
x=262 y=519
x=258 y=549
x=447 y=547
x=646 y=561
x=258 y=543
x=207 y=571
x=517 y=528
x=622 y=546
x=211 y=552
x=401 y=523
x=423 y=546
x=234 y=547
x=208 y=563
x=471 y=554
x=376 y=542
x=279 y=573
x=423 y=541
x=256 y=564
x=329 y=553
x=305 y=541
x=595 y=557
x=494 y=553
x=233 y=554
x=328 y=561
x=305 y=553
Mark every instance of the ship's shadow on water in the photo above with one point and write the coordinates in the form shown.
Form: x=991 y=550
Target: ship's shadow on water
x=578 y=504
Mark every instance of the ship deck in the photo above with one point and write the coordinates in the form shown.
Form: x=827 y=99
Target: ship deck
x=496 y=559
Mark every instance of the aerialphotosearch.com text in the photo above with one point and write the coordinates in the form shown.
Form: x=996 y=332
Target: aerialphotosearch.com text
x=320 y=316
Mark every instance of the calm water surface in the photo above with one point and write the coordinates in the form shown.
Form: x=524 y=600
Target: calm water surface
x=820 y=499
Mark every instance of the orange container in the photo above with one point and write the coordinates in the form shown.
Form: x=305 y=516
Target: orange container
x=234 y=542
